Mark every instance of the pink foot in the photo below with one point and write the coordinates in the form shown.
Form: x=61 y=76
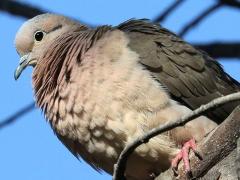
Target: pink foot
x=184 y=155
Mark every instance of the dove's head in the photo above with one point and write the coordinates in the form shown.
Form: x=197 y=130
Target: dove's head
x=35 y=35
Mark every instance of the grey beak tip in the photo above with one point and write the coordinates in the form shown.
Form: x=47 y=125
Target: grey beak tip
x=16 y=75
x=24 y=62
x=17 y=72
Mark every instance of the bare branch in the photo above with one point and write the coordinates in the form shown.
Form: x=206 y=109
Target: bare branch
x=232 y=3
x=120 y=167
x=224 y=138
x=168 y=11
x=221 y=50
x=196 y=21
x=8 y=121
x=20 y=9
x=237 y=163
x=218 y=150
x=25 y=10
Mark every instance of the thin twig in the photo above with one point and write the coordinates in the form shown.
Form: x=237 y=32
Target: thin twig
x=221 y=49
x=232 y=3
x=20 y=9
x=168 y=11
x=120 y=167
x=224 y=137
x=215 y=162
x=8 y=121
x=197 y=20
x=27 y=11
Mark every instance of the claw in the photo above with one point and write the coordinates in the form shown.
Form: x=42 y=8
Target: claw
x=184 y=155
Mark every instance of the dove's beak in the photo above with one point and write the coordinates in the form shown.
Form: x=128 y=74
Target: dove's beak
x=25 y=61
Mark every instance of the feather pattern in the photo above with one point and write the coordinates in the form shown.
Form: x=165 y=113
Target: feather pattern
x=191 y=76
x=57 y=62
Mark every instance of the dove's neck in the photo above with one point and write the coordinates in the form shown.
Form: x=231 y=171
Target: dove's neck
x=55 y=66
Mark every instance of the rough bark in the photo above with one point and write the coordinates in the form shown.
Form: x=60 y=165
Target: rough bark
x=221 y=157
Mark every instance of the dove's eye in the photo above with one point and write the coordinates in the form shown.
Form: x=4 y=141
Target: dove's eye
x=39 y=35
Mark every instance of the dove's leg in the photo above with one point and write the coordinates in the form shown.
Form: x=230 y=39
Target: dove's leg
x=184 y=155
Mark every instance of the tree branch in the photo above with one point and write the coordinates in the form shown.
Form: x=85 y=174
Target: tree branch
x=221 y=49
x=25 y=10
x=120 y=167
x=219 y=153
x=15 y=116
x=237 y=163
x=168 y=11
x=216 y=146
x=20 y=9
x=197 y=20
x=232 y=3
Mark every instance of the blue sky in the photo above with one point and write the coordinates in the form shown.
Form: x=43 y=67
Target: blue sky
x=28 y=149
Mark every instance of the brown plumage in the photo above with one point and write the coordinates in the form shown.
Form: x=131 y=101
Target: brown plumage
x=101 y=88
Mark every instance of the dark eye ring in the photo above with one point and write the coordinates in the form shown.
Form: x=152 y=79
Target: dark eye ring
x=39 y=35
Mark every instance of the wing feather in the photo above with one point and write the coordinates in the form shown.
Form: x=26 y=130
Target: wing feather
x=190 y=75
